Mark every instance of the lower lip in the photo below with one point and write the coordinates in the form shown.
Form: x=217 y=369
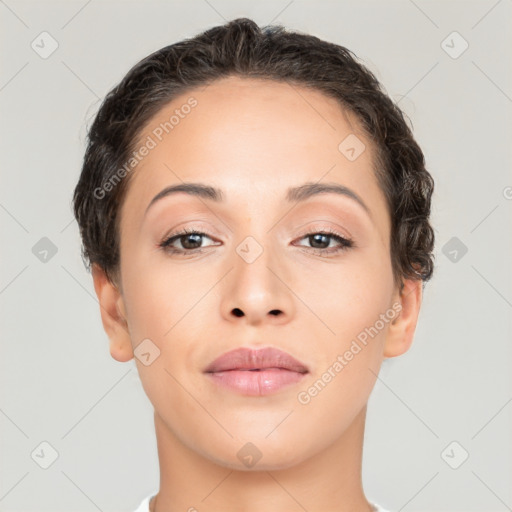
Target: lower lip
x=257 y=383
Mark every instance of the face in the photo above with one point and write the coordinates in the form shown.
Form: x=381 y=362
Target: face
x=308 y=274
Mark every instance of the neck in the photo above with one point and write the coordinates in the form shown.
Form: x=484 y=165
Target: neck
x=330 y=480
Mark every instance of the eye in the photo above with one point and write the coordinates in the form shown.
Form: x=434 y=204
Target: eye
x=321 y=240
x=189 y=239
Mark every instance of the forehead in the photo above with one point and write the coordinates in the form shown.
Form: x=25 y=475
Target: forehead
x=251 y=138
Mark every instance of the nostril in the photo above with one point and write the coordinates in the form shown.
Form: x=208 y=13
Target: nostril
x=238 y=312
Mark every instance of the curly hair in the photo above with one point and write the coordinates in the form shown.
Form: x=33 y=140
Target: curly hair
x=241 y=48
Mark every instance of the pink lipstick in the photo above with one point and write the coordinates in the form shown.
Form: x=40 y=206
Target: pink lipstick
x=256 y=372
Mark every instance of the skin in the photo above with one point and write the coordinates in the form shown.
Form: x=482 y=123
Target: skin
x=253 y=139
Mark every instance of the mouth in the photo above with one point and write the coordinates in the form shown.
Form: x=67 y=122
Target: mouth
x=256 y=372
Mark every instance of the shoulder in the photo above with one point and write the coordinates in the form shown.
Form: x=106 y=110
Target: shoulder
x=376 y=508
x=144 y=506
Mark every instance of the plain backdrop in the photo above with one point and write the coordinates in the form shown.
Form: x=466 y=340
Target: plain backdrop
x=438 y=434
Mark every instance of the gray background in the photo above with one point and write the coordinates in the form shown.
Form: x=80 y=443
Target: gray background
x=58 y=382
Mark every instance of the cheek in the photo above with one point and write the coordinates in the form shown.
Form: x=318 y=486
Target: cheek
x=347 y=359
x=154 y=299
x=346 y=298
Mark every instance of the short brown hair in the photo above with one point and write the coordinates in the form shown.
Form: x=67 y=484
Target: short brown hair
x=241 y=48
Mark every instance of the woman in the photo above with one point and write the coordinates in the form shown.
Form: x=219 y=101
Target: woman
x=255 y=212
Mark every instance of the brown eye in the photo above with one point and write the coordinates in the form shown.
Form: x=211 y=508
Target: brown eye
x=189 y=240
x=320 y=241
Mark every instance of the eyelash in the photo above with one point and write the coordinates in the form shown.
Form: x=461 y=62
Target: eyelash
x=345 y=243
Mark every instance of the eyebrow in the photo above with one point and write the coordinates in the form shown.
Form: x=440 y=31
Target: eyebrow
x=293 y=194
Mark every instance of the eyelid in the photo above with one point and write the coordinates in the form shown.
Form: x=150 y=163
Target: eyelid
x=177 y=234
x=191 y=227
x=317 y=227
x=311 y=229
x=344 y=242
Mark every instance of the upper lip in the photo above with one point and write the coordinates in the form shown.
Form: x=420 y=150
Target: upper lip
x=256 y=359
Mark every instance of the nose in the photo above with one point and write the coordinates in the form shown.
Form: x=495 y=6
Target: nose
x=257 y=290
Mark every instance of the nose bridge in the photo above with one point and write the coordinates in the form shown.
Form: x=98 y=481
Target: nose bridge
x=254 y=289
x=254 y=262
x=255 y=252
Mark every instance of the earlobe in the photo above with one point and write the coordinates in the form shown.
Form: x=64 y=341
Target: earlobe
x=401 y=330
x=113 y=315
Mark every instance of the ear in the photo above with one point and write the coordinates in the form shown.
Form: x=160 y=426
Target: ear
x=401 y=330
x=113 y=315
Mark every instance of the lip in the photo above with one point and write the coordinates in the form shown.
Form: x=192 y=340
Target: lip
x=256 y=372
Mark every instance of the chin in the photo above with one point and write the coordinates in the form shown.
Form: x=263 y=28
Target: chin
x=258 y=456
